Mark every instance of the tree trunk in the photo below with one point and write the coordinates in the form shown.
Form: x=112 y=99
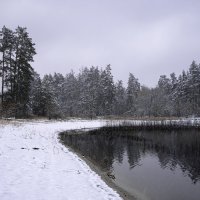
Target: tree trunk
x=2 y=83
x=11 y=74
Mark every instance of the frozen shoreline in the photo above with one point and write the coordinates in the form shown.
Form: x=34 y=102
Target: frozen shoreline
x=35 y=166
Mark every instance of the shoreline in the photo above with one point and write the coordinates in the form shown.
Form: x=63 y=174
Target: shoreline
x=123 y=194
x=33 y=149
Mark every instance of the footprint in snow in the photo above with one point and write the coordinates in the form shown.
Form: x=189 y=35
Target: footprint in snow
x=35 y=148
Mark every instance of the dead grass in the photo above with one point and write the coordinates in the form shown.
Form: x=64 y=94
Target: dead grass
x=112 y=117
x=4 y=122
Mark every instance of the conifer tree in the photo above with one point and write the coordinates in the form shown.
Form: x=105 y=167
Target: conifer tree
x=107 y=91
x=6 y=63
x=23 y=71
x=17 y=51
x=133 y=89
x=120 y=99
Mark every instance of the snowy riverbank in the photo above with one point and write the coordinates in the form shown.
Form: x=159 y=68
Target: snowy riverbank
x=35 y=166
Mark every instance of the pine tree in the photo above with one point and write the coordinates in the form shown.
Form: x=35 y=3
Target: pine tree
x=71 y=93
x=132 y=94
x=58 y=88
x=173 y=95
x=89 y=84
x=145 y=102
x=49 y=100
x=120 y=99
x=6 y=63
x=22 y=70
x=106 y=91
x=36 y=102
x=194 y=88
x=163 y=103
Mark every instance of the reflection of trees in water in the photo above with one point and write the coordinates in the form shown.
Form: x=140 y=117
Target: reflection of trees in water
x=133 y=152
x=98 y=148
x=180 y=148
x=177 y=148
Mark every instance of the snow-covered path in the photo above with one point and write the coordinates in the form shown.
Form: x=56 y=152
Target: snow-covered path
x=35 y=166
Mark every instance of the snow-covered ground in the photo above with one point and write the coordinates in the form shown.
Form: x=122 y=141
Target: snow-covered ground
x=35 y=166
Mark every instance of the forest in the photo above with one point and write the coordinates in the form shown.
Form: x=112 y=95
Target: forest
x=90 y=93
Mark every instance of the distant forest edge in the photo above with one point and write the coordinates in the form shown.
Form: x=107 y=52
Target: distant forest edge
x=90 y=93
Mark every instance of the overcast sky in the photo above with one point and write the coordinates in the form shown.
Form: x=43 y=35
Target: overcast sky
x=145 y=37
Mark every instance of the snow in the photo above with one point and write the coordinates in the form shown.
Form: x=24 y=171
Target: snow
x=50 y=172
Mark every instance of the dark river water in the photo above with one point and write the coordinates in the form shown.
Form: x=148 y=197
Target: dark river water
x=157 y=165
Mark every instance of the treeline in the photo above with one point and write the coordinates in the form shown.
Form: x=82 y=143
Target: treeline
x=90 y=93
x=93 y=92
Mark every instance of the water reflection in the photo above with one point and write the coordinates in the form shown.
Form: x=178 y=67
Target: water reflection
x=175 y=152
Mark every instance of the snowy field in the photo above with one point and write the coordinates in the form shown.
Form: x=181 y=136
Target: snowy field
x=35 y=166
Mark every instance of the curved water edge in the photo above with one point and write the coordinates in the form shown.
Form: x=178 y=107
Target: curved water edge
x=157 y=164
x=94 y=166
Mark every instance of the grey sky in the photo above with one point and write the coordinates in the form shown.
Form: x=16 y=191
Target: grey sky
x=145 y=37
